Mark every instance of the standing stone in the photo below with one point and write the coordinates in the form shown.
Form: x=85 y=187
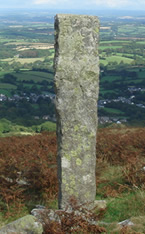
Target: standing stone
x=76 y=66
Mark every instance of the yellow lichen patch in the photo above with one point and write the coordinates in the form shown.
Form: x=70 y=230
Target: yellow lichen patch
x=63 y=180
x=69 y=190
x=67 y=156
x=76 y=128
x=87 y=194
x=96 y=30
x=74 y=153
x=92 y=134
x=72 y=181
x=78 y=162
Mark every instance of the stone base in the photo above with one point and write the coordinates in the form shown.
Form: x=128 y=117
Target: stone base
x=55 y=215
x=100 y=204
x=24 y=225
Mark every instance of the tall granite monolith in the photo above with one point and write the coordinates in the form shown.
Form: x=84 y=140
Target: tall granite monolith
x=76 y=80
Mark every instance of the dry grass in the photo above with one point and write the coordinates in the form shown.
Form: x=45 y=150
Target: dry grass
x=22 y=60
x=120 y=177
x=27 y=45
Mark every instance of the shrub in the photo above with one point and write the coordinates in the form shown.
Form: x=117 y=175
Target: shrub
x=78 y=220
x=27 y=169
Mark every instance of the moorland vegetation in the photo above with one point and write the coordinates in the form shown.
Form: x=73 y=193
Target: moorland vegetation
x=28 y=176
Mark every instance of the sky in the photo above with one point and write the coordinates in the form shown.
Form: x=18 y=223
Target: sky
x=75 y=4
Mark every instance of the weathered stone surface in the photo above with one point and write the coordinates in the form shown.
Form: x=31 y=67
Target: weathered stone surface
x=52 y=215
x=26 y=225
x=126 y=222
x=101 y=204
x=76 y=84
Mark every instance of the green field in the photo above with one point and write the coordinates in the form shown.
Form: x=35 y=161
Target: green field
x=115 y=42
x=35 y=76
x=110 y=78
x=114 y=111
x=103 y=91
x=117 y=59
x=22 y=60
x=5 y=92
x=26 y=79
x=102 y=47
x=2 y=73
x=141 y=42
x=29 y=75
x=7 y=86
x=142 y=74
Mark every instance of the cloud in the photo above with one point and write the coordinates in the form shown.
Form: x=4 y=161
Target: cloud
x=51 y=2
x=112 y=3
x=120 y=4
x=75 y=4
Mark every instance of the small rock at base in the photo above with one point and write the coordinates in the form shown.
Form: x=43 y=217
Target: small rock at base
x=25 y=225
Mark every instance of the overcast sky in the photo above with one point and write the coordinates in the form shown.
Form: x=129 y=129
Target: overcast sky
x=75 y=4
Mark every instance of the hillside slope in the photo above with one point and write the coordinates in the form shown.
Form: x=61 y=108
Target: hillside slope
x=28 y=174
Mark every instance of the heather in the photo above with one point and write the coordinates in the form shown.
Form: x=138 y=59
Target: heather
x=28 y=176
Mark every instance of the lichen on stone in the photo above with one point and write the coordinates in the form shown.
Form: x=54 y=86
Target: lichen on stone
x=78 y=162
x=76 y=84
